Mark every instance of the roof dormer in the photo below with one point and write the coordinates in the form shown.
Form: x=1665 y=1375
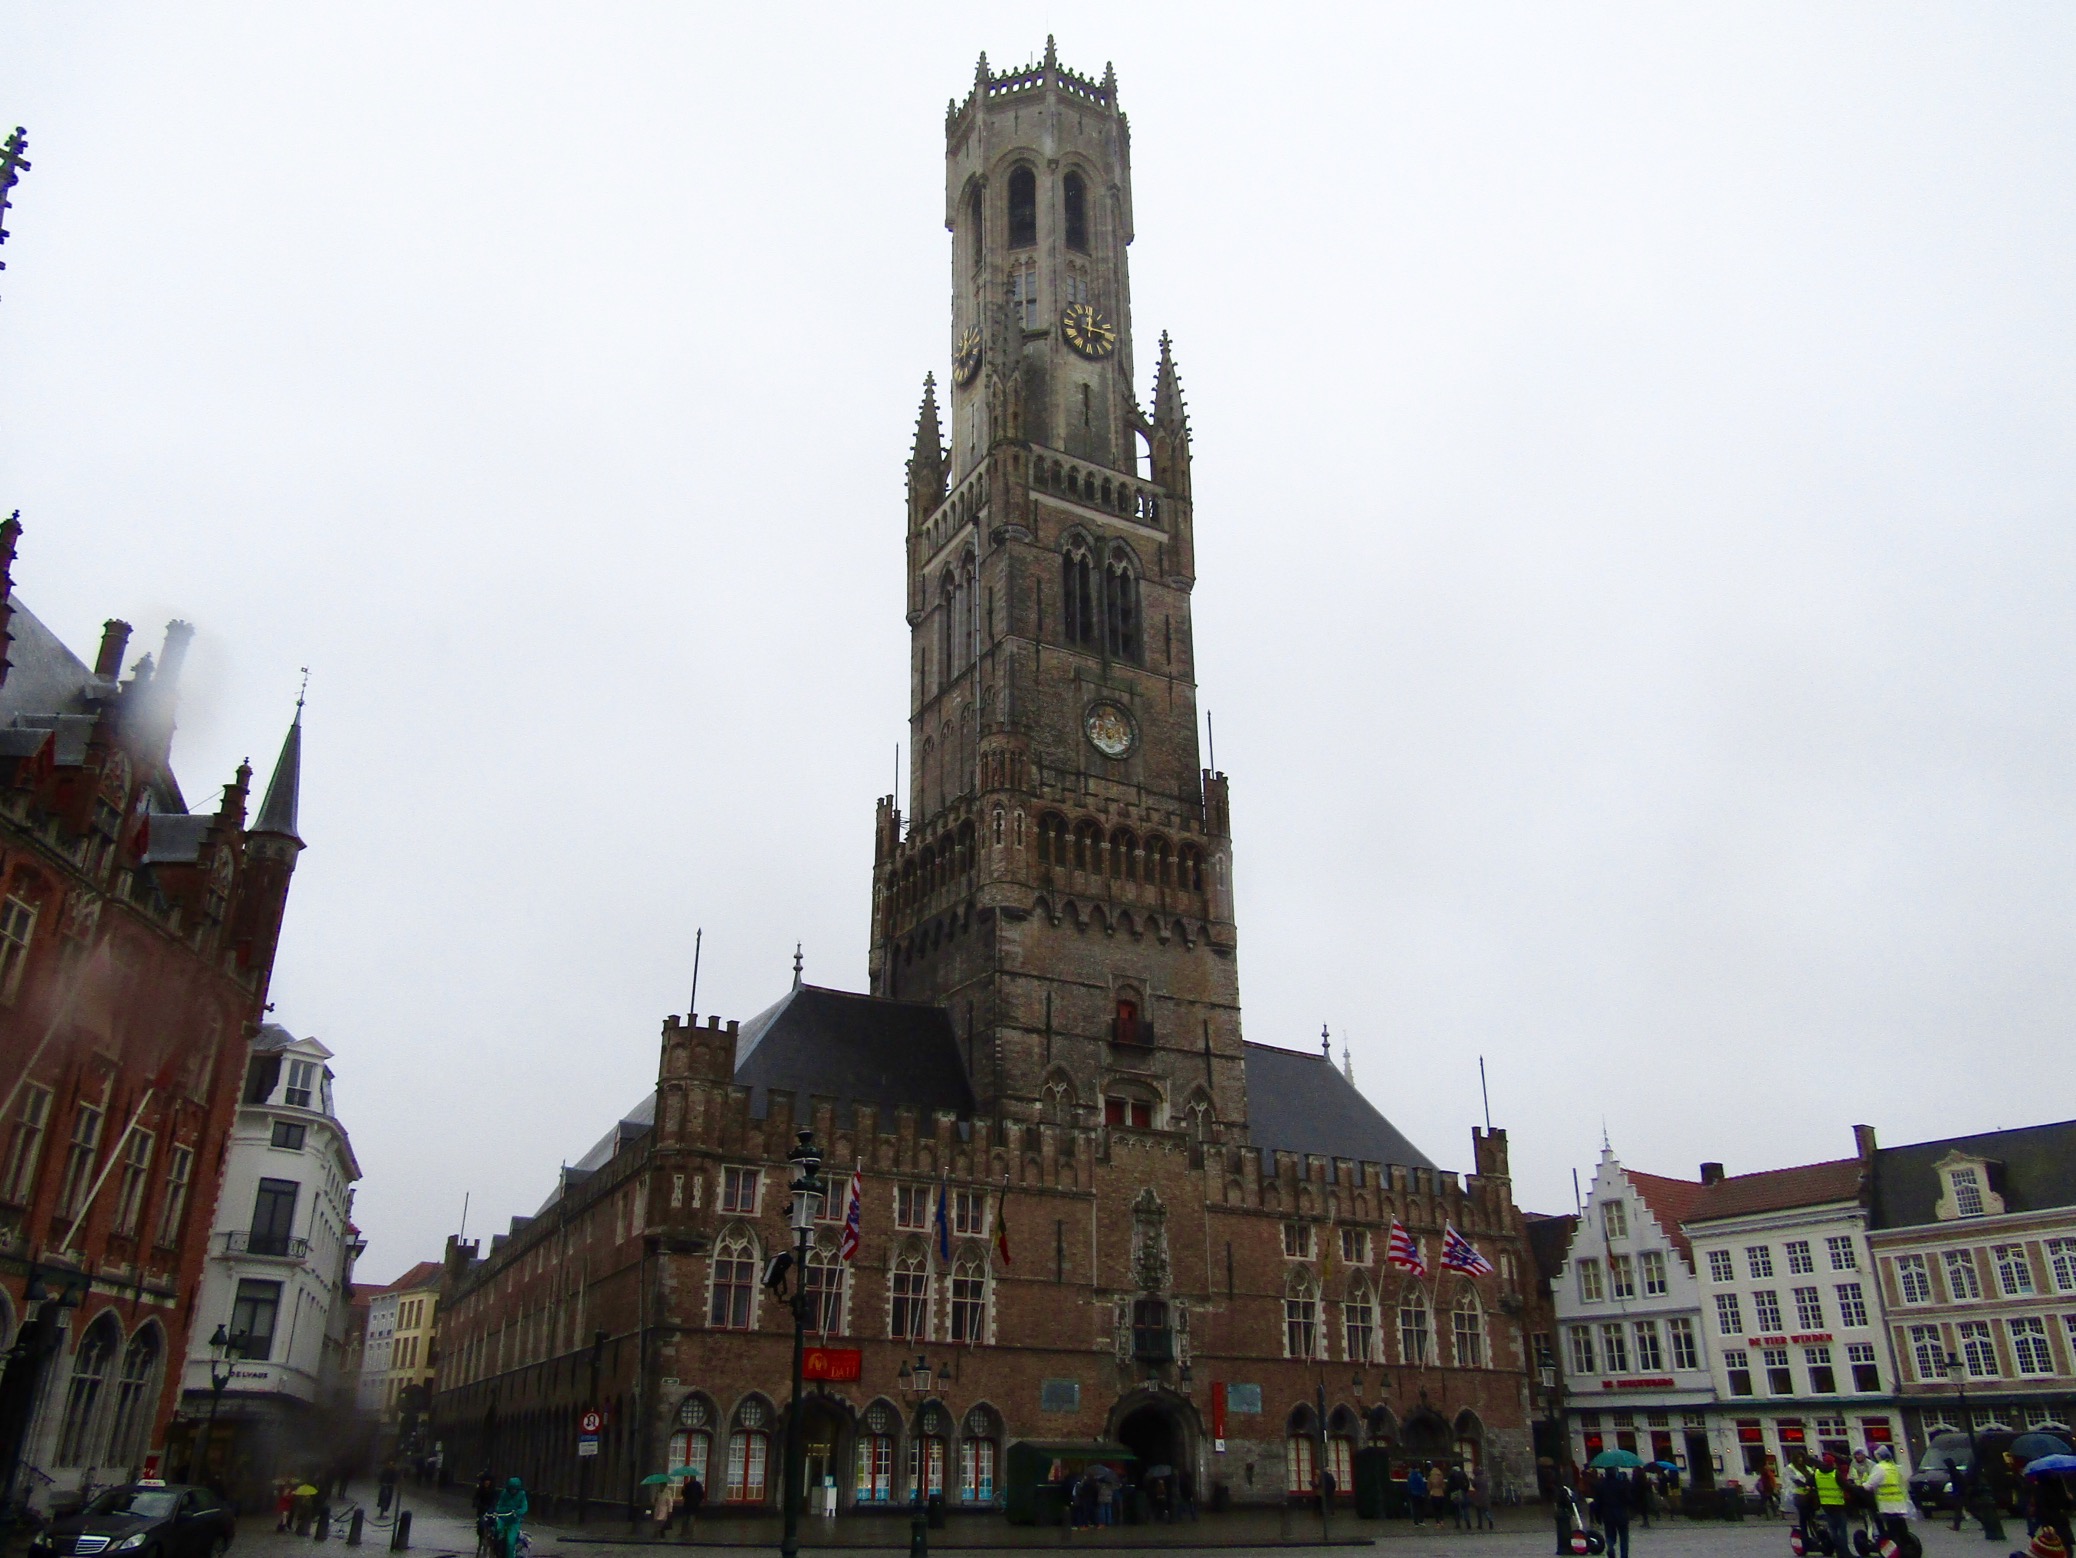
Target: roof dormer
x=1966 y=1188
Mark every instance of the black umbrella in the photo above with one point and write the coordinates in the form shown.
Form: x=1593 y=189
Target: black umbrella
x=2030 y=1447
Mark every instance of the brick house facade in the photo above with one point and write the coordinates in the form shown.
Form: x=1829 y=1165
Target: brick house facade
x=137 y=939
x=1196 y=1224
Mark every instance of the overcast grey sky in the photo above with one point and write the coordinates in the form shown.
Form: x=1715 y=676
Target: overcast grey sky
x=1634 y=478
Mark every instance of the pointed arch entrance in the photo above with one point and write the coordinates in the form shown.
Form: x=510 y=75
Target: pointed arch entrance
x=1160 y=1427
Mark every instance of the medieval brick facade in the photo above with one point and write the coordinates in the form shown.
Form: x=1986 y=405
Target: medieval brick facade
x=137 y=940
x=1196 y=1226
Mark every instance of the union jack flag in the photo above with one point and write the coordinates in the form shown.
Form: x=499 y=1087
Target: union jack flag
x=1403 y=1250
x=1459 y=1254
x=853 y=1216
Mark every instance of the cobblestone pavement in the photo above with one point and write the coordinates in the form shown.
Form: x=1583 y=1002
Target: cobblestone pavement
x=441 y=1525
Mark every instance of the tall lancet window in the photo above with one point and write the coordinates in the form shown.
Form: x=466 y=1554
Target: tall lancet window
x=1023 y=208
x=1075 y=199
x=1121 y=607
x=1078 y=595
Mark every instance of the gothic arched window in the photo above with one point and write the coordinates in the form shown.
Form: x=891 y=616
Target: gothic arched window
x=947 y=628
x=909 y=1314
x=1075 y=198
x=1023 y=208
x=136 y=1393
x=969 y=1303
x=1078 y=593
x=749 y=1452
x=734 y=1266
x=977 y=220
x=978 y=1448
x=1413 y=1343
x=1359 y=1321
x=1124 y=855
x=1088 y=846
x=1121 y=607
x=1469 y=1332
x=90 y=1365
x=1301 y=1314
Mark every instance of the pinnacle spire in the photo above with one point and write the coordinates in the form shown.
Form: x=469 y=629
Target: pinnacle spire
x=277 y=813
x=1052 y=53
x=1168 y=409
x=927 y=461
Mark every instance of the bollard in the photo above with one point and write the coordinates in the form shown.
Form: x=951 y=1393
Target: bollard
x=400 y=1538
x=353 y=1527
x=322 y=1531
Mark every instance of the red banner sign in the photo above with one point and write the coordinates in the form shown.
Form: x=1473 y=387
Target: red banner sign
x=835 y=1364
x=1218 y=1409
x=1654 y=1383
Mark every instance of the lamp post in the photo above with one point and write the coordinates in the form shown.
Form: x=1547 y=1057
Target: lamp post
x=220 y=1347
x=807 y=1189
x=1978 y=1489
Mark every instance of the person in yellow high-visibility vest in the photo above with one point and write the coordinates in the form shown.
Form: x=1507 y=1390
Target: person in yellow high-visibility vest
x=1830 y=1493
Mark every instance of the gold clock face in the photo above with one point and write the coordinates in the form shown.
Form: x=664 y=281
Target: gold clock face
x=966 y=358
x=1087 y=331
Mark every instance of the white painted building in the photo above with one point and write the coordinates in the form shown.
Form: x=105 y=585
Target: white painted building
x=1798 y=1351
x=278 y=1280
x=1630 y=1345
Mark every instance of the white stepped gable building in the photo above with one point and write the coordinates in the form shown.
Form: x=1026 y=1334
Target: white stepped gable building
x=1629 y=1326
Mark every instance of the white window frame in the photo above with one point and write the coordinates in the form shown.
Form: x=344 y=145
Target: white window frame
x=1720 y=1266
x=1651 y=1273
x=1961 y=1263
x=1913 y=1278
x=2014 y=1270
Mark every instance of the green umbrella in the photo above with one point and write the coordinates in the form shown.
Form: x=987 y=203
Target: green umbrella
x=657 y=1476
x=1610 y=1458
x=679 y=1473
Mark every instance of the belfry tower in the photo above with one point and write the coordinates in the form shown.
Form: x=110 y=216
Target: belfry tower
x=1062 y=882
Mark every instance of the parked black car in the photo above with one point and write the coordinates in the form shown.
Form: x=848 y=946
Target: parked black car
x=1947 y=1456
x=143 y=1520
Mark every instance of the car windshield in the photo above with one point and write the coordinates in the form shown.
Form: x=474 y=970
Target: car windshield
x=150 y=1503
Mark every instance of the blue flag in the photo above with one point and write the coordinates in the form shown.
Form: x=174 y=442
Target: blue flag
x=943 y=1225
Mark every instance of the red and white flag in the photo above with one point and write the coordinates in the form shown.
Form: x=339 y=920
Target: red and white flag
x=1403 y=1251
x=1459 y=1254
x=853 y=1216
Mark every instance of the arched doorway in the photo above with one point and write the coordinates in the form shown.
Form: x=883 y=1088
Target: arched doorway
x=1160 y=1430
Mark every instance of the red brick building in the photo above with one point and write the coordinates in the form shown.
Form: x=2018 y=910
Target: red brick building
x=137 y=939
x=1196 y=1224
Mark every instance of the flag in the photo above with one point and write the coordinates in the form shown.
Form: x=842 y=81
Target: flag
x=1459 y=1254
x=1002 y=1224
x=1403 y=1251
x=853 y=1216
x=943 y=1224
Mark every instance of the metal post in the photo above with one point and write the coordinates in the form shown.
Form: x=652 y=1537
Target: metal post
x=807 y=1188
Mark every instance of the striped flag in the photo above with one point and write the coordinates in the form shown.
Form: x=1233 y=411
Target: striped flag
x=1459 y=1254
x=943 y=1224
x=853 y=1216
x=1403 y=1250
x=1002 y=1224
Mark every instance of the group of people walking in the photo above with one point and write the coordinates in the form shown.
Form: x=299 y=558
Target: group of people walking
x=1828 y=1492
x=1450 y=1493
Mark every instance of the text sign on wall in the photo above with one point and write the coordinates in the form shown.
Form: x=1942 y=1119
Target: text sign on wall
x=1060 y=1395
x=1243 y=1398
x=836 y=1364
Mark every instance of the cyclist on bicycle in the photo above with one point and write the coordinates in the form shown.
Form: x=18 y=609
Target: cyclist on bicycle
x=510 y=1511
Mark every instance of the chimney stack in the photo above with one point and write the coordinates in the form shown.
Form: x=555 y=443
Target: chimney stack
x=1711 y=1173
x=1863 y=1141
x=115 y=638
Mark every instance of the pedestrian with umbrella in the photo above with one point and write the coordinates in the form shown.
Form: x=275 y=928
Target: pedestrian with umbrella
x=1612 y=1497
x=2049 y=1476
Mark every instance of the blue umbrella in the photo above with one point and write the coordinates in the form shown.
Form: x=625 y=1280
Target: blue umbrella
x=2052 y=1466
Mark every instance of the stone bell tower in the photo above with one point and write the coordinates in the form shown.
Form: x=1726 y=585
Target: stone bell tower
x=1062 y=880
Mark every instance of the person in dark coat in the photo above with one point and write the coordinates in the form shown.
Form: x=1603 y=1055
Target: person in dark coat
x=690 y=1497
x=1611 y=1505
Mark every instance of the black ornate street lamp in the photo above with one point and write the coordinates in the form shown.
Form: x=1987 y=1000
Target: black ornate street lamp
x=807 y=1188
x=1978 y=1490
x=221 y=1345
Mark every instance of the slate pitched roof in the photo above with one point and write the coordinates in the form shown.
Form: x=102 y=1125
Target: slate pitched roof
x=1299 y=1102
x=277 y=813
x=1672 y=1202
x=1776 y=1190
x=43 y=676
x=856 y=1049
x=2033 y=1168
x=1549 y=1243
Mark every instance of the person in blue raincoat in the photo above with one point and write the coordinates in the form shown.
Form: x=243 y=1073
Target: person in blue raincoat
x=510 y=1512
